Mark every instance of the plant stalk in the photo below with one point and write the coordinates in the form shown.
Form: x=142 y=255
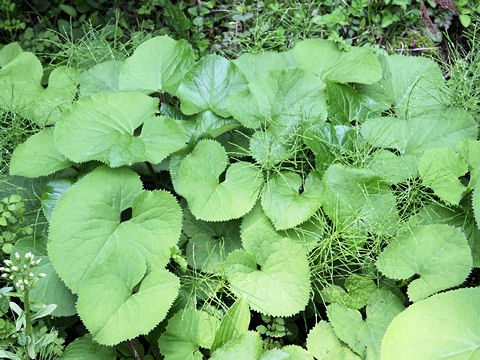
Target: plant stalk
x=28 y=319
x=153 y=174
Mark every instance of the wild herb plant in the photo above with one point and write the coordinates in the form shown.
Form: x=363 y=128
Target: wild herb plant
x=196 y=194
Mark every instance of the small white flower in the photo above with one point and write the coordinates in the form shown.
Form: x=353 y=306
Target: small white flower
x=11 y=277
x=42 y=275
x=14 y=268
x=25 y=266
x=17 y=256
x=2 y=268
x=38 y=261
x=20 y=281
x=31 y=274
x=4 y=275
x=28 y=256
x=26 y=282
x=8 y=262
x=32 y=263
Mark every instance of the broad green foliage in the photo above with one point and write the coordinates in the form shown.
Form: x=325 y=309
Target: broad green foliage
x=186 y=332
x=52 y=191
x=438 y=253
x=439 y=169
x=288 y=201
x=157 y=65
x=410 y=86
x=211 y=188
x=444 y=326
x=208 y=198
x=358 y=290
x=457 y=217
x=234 y=323
x=248 y=346
x=86 y=224
x=21 y=87
x=254 y=65
x=208 y=86
x=324 y=58
x=110 y=308
x=103 y=78
x=83 y=348
x=360 y=198
x=50 y=289
x=421 y=133
x=271 y=273
x=324 y=344
x=38 y=156
x=365 y=336
x=284 y=100
x=105 y=130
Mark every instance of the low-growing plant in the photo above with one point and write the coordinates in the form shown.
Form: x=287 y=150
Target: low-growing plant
x=191 y=200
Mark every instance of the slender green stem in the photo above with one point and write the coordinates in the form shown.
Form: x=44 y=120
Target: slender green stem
x=28 y=319
x=153 y=174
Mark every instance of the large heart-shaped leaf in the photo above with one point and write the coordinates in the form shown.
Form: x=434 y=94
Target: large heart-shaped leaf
x=285 y=100
x=109 y=306
x=157 y=64
x=288 y=201
x=254 y=65
x=21 y=89
x=324 y=344
x=438 y=253
x=101 y=78
x=418 y=134
x=207 y=197
x=323 y=57
x=187 y=331
x=272 y=273
x=38 y=156
x=208 y=86
x=359 y=198
x=365 y=336
x=444 y=326
x=105 y=128
x=248 y=346
x=87 y=223
x=83 y=348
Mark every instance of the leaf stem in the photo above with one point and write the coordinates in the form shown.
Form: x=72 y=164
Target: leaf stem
x=153 y=174
x=28 y=319
x=134 y=349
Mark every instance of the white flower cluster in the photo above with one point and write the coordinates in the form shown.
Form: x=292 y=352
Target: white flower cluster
x=19 y=271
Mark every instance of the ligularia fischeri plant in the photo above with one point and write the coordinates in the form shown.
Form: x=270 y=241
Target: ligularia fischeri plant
x=165 y=168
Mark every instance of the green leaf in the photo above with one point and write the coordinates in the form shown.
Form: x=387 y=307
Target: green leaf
x=9 y=52
x=457 y=217
x=38 y=156
x=83 y=348
x=358 y=290
x=476 y=203
x=418 y=134
x=87 y=225
x=269 y=149
x=438 y=253
x=234 y=323
x=365 y=337
x=288 y=201
x=208 y=253
x=297 y=353
x=207 y=125
x=272 y=273
x=104 y=129
x=324 y=58
x=21 y=89
x=393 y=168
x=109 y=306
x=208 y=85
x=209 y=199
x=470 y=152
x=344 y=104
x=157 y=65
x=186 y=332
x=440 y=169
x=102 y=78
x=283 y=100
x=49 y=289
x=51 y=193
x=254 y=65
x=444 y=326
x=248 y=346
x=410 y=86
x=324 y=344
x=359 y=198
